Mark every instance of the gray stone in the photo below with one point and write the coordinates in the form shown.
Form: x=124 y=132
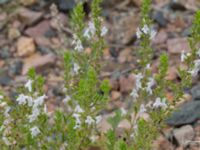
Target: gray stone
x=4 y=1
x=160 y=19
x=195 y=91
x=184 y=135
x=189 y=113
x=65 y=5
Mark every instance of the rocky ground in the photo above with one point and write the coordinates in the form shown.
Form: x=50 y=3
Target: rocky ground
x=34 y=33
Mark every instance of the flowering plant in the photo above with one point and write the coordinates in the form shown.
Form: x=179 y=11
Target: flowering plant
x=27 y=124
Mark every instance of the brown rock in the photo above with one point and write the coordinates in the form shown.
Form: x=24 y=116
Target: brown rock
x=114 y=84
x=124 y=124
x=171 y=73
x=25 y=46
x=28 y=17
x=13 y=33
x=177 y=45
x=162 y=144
x=38 y=30
x=38 y=62
x=126 y=83
x=28 y=2
x=123 y=27
x=115 y=95
x=161 y=37
x=125 y=56
x=184 y=135
x=3 y=20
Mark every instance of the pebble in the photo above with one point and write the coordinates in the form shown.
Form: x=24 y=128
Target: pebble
x=184 y=135
x=64 y=5
x=38 y=62
x=25 y=46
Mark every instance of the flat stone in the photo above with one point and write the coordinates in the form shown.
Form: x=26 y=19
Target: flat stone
x=177 y=45
x=64 y=5
x=25 y=46
x=188 y=113
x=28 y=2
x=38 y=62
x=126 y=83
x=28 y=17
x=39 y=30
x=195 y=91
x=184 y=135
x=160 y=19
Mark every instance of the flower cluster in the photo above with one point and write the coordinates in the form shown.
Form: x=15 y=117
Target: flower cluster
x=35 y=104
x=138 y=85
x=194 y=71
x=147 y=31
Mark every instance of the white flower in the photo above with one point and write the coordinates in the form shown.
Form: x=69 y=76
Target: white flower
x=183 y=56
x=78 y=109
x=76 y=68
x=104 y=30
x=66 y=99
x=35 y=131
x=138 y=83
x=145 y=29
x=77 y=43
x=123 y=111
x=87 y=33
x=6 y=141
x=21 y=99
x=93 y=138
x=153 y=34
x=159 y=104
x=89 y=120
x=29 y=101
x=1 y=97
x=148 y=66
x=39 y=101
x=79 y=46
x=76 y=126
x=138 y=33
x=90 y=30
x=196 y=68
x=28 y=85
x=134 y=94
x=198 y=52
x=150 y=83
x=98 y=119
x=34 y=115
x=78 y=121
x=142 y=109
x=6 y=112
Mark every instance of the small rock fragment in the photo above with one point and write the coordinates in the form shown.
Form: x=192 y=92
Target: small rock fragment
x=160 y=19
x=115 y=95
x=39 y=30
x=28 y=2
x=195 y=91
x=177 y=45
x=25 y=46
x=64 y=5
x=38 y=62
x=184 y=135
x=126 y=83
x=125 y=56
x=162 y=144
x=13 y=33
x=28 y=17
